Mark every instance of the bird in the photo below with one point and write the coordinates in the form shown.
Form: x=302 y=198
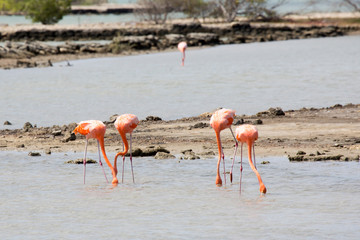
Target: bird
x=248 y=134
x=125 y=123
x=182 y=47
x=95 y=129
x=220 y=120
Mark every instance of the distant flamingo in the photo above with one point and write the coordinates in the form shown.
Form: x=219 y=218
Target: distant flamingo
x=95 y=129
x=219 y=121
x=182 y=47
x=125 y=123
x=248 y=134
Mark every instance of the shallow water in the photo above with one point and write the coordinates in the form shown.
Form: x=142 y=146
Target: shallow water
x=43 y=198
x=247 y=78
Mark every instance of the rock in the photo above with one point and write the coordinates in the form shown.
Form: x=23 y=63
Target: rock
x=174 y=39
x=112 y=119
x=163 y=155
x=152 y=151
x=20 y=146
x=301 y=153
x=56 y=133
x=265 y=162
x=27 y=125
x=81 y=161
x=7 y=123
x=153 y=118
x=48 y=151
x=69 y=137
x=272 y=112
x=257 y=122
x=189 y=155
x=34 y=154
x=199 y=39
x=199 y=125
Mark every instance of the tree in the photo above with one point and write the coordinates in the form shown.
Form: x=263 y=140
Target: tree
x=354 y=4
x=198 y=8
x=156 y=10
x=47 y=11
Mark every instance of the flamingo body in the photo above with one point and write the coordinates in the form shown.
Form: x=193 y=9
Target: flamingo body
x=182 y=47
x=94 y=129
x=249 y=134
x=219 y=121
x=125 y=123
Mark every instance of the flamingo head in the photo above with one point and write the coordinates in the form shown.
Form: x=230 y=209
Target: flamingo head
x=262 y=188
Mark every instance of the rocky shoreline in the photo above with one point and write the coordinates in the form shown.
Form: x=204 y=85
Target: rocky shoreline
x=301 y=135
x=140 y=37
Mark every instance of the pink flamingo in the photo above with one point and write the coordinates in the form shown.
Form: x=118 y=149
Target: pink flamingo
x=219 y=121
x=125 y=123
x=95 y=129
x=182 y=47
x=248 y=134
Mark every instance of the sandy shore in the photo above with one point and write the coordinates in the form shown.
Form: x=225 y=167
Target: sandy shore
x=319 y=133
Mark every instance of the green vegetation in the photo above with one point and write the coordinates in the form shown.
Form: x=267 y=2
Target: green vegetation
x=47 y=11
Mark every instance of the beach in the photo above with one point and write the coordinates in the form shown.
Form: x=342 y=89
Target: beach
x=315 y=133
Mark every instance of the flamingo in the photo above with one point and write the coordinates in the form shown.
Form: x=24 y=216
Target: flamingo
x=219 y=121
x=95 y=129
x=125 y=123
x=248 y=134
x=182 y=47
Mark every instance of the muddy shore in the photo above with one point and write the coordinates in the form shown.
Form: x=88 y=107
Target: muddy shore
x=27 y=46
x=304 y=134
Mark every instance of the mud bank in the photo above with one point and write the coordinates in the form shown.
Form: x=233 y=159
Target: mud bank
x=330 y=133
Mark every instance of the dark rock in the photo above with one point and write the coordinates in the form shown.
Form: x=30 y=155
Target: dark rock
x=163 y=155
x=20 y=146
x=112 y=119
x=27 y=125
x=198 y=39
x=7 y=123
x=273 y=112
x=81 y=161
x=69 y=137
x=257 y=122
x=301 y=153
x=153 y=118
x=200 y=125
x=56 y=133
x=189 y=155
x=34 y=154
x=265 y=162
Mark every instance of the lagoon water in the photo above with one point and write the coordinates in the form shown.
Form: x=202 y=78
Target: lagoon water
x=247 y=78
x=44 y=198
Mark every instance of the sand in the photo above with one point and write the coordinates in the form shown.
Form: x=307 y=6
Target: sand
x=320 y=133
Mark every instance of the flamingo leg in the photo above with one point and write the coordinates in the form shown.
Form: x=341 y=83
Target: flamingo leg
x=84 y=162
x=101 y=162
x=232 y=166
x=254 y=155
x=236 y=147
x=132 y=171
x=122 y=174
x=223 y=158
x=241 y=167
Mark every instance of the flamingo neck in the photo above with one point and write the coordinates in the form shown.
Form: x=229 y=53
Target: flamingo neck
x=250 y=144
x=126 y=144
x=102 y=146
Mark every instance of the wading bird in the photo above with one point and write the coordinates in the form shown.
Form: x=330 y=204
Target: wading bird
x=95 y=129
x=125 y=123
x=219 y=121
x=248 y=134
x=182 y=47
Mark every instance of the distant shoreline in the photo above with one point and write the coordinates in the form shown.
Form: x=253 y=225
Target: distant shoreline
x=143 y=37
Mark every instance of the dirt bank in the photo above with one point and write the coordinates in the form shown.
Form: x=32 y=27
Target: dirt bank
x=319 y=133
